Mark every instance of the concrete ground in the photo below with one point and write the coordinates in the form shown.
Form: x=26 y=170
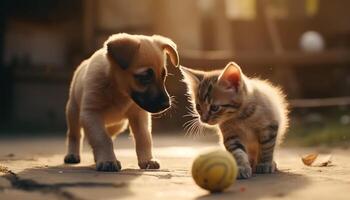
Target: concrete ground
x=34 y=169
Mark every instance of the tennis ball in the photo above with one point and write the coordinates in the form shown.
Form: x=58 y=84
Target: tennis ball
x=215 y=170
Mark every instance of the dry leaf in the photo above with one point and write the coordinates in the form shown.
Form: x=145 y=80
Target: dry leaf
x=309 y=159
x=317 y=160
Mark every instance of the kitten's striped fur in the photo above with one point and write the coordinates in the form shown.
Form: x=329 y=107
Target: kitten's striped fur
x=250 y=113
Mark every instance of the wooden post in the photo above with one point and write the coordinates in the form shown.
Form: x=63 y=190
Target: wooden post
x=284 y=75
x=89 y=12
x=225 y=33
x=207 y=24
x=3 y=84
x=216 y=33
x=6 y=75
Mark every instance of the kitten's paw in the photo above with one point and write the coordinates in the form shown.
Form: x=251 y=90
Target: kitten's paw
x=244 y=172
x=72 y=159
x=151 y=164
x=266 y=168
x=108 y=166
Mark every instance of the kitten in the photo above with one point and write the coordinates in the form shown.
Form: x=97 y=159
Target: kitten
x=250 y=113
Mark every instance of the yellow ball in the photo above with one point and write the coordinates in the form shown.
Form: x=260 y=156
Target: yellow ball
x=215 y=170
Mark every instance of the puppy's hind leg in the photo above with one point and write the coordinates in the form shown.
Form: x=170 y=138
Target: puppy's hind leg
x=74 y=136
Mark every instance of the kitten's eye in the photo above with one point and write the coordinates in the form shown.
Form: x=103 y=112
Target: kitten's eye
x=214 y=108
x=198 y=107
x=145 y=77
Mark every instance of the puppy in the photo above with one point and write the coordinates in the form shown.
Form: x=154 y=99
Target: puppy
x=120 y=84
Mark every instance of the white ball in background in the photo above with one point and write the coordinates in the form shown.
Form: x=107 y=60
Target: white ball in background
x=311 y=41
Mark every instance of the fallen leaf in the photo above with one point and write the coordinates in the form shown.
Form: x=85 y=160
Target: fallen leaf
x=309 y=159
x=317 y=160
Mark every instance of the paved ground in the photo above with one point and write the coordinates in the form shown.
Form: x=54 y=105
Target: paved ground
x=33 y=169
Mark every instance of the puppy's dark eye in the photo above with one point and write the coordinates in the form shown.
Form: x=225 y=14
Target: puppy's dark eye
x=145 y=77
x=214 y=108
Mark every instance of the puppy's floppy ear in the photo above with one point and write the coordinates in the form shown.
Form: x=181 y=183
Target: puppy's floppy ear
x=122 y=49
x=169 y=47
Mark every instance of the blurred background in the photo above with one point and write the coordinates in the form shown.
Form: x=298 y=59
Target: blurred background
x=302 y=45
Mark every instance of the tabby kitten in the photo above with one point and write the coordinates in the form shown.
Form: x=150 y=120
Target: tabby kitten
x=250 y=113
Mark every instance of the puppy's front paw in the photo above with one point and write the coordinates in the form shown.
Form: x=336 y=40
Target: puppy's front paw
x=72 y=159
x=151 y=164
x=244 y=172
x=108 y=166
x=266 y=168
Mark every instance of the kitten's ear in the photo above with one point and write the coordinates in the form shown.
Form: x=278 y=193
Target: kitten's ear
x=231 y=77
x=122 y=48
x=191 y=76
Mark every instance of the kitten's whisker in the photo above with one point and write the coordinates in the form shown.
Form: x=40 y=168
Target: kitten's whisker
x=190 y=126
x=188 y=123
x=193 y=127
x=189 y=129
x=200 y=129
x=189 y=115
x=196 y=129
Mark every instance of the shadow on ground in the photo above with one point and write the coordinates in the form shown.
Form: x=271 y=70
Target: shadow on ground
x=276 y=185
x=74 y=182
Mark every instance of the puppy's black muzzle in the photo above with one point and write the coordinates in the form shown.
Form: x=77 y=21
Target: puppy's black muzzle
x=153 y=101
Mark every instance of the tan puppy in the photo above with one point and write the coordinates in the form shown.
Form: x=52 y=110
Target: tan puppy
x=120 y=83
